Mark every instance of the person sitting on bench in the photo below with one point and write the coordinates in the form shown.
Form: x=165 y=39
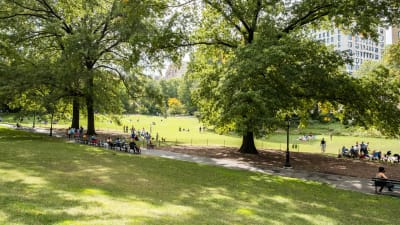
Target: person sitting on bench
x=110 y=142
x=134 y=147
x=118 y=143
x=382 y=184
x=93 y=139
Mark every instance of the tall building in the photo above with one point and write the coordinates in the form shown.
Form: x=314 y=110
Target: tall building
x=359 y=47
x=395 y=34
x=173 y=71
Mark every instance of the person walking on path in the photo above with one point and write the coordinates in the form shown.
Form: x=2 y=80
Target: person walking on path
x=323 y=145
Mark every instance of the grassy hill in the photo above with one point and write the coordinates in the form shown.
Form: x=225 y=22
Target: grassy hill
x=47 y=181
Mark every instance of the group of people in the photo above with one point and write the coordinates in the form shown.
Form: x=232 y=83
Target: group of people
x=357 y=151
x=307 y=137
x=75 y=132
x=132 y=147
x=362 y=151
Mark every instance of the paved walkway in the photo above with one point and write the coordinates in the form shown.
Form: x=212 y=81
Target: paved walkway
x=337 y=181
x=342 y=182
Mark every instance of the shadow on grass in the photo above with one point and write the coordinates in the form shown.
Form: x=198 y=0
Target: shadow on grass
x=50 y=182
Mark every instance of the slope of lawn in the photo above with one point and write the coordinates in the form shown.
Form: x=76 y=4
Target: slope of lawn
x=47 y=181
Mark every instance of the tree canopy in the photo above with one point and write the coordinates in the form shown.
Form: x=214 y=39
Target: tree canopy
x=259 y=62
x=95 y=42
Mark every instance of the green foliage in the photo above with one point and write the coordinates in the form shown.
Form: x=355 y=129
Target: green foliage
x=179 y=88
x=380 y=81
x=97 y=48
x=258 y=65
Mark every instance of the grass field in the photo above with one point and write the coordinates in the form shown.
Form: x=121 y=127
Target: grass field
x=168 y=128
x=47 y=181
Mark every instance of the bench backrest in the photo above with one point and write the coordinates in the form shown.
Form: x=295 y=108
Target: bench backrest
x=381 y=181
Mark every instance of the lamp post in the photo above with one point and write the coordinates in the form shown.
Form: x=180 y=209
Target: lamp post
x=287 y=163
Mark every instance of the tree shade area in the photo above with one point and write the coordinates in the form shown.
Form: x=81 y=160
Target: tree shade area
x=252 y=62
x=45 y=181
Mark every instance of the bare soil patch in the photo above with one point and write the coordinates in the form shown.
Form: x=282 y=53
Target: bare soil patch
x=313 y=162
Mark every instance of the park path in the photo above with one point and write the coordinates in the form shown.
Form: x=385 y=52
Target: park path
x=337 y=181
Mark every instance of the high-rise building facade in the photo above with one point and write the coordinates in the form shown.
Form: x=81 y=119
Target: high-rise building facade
x=395 y=34
x=359 y=47
x=174 y=71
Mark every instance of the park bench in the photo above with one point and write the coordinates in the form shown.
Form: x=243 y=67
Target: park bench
x=150 y=146
x=379 y=182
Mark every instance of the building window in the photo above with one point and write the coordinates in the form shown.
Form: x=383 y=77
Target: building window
x=350 y=44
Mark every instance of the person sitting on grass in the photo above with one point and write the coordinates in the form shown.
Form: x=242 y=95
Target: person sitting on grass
x=354 y=152
x=381 y=175
x=376 y=155
x=345 y=152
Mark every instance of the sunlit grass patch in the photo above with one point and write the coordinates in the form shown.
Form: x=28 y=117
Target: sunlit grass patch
x=47 y=181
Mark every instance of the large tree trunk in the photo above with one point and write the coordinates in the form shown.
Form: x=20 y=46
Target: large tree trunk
x=248 y=145
x=75 y=113
x=90 y=107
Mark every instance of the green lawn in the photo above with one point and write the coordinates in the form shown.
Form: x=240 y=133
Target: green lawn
x=47 y=181
x=169 y=128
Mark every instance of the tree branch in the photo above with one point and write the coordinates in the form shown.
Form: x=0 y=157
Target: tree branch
x=108 y=49
x=25 y=14
x=182 y=4
x=51 y=11
x=121 y=77
x=237 y=27
x=309 y=17
x=240 y=17
x=190 y=44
